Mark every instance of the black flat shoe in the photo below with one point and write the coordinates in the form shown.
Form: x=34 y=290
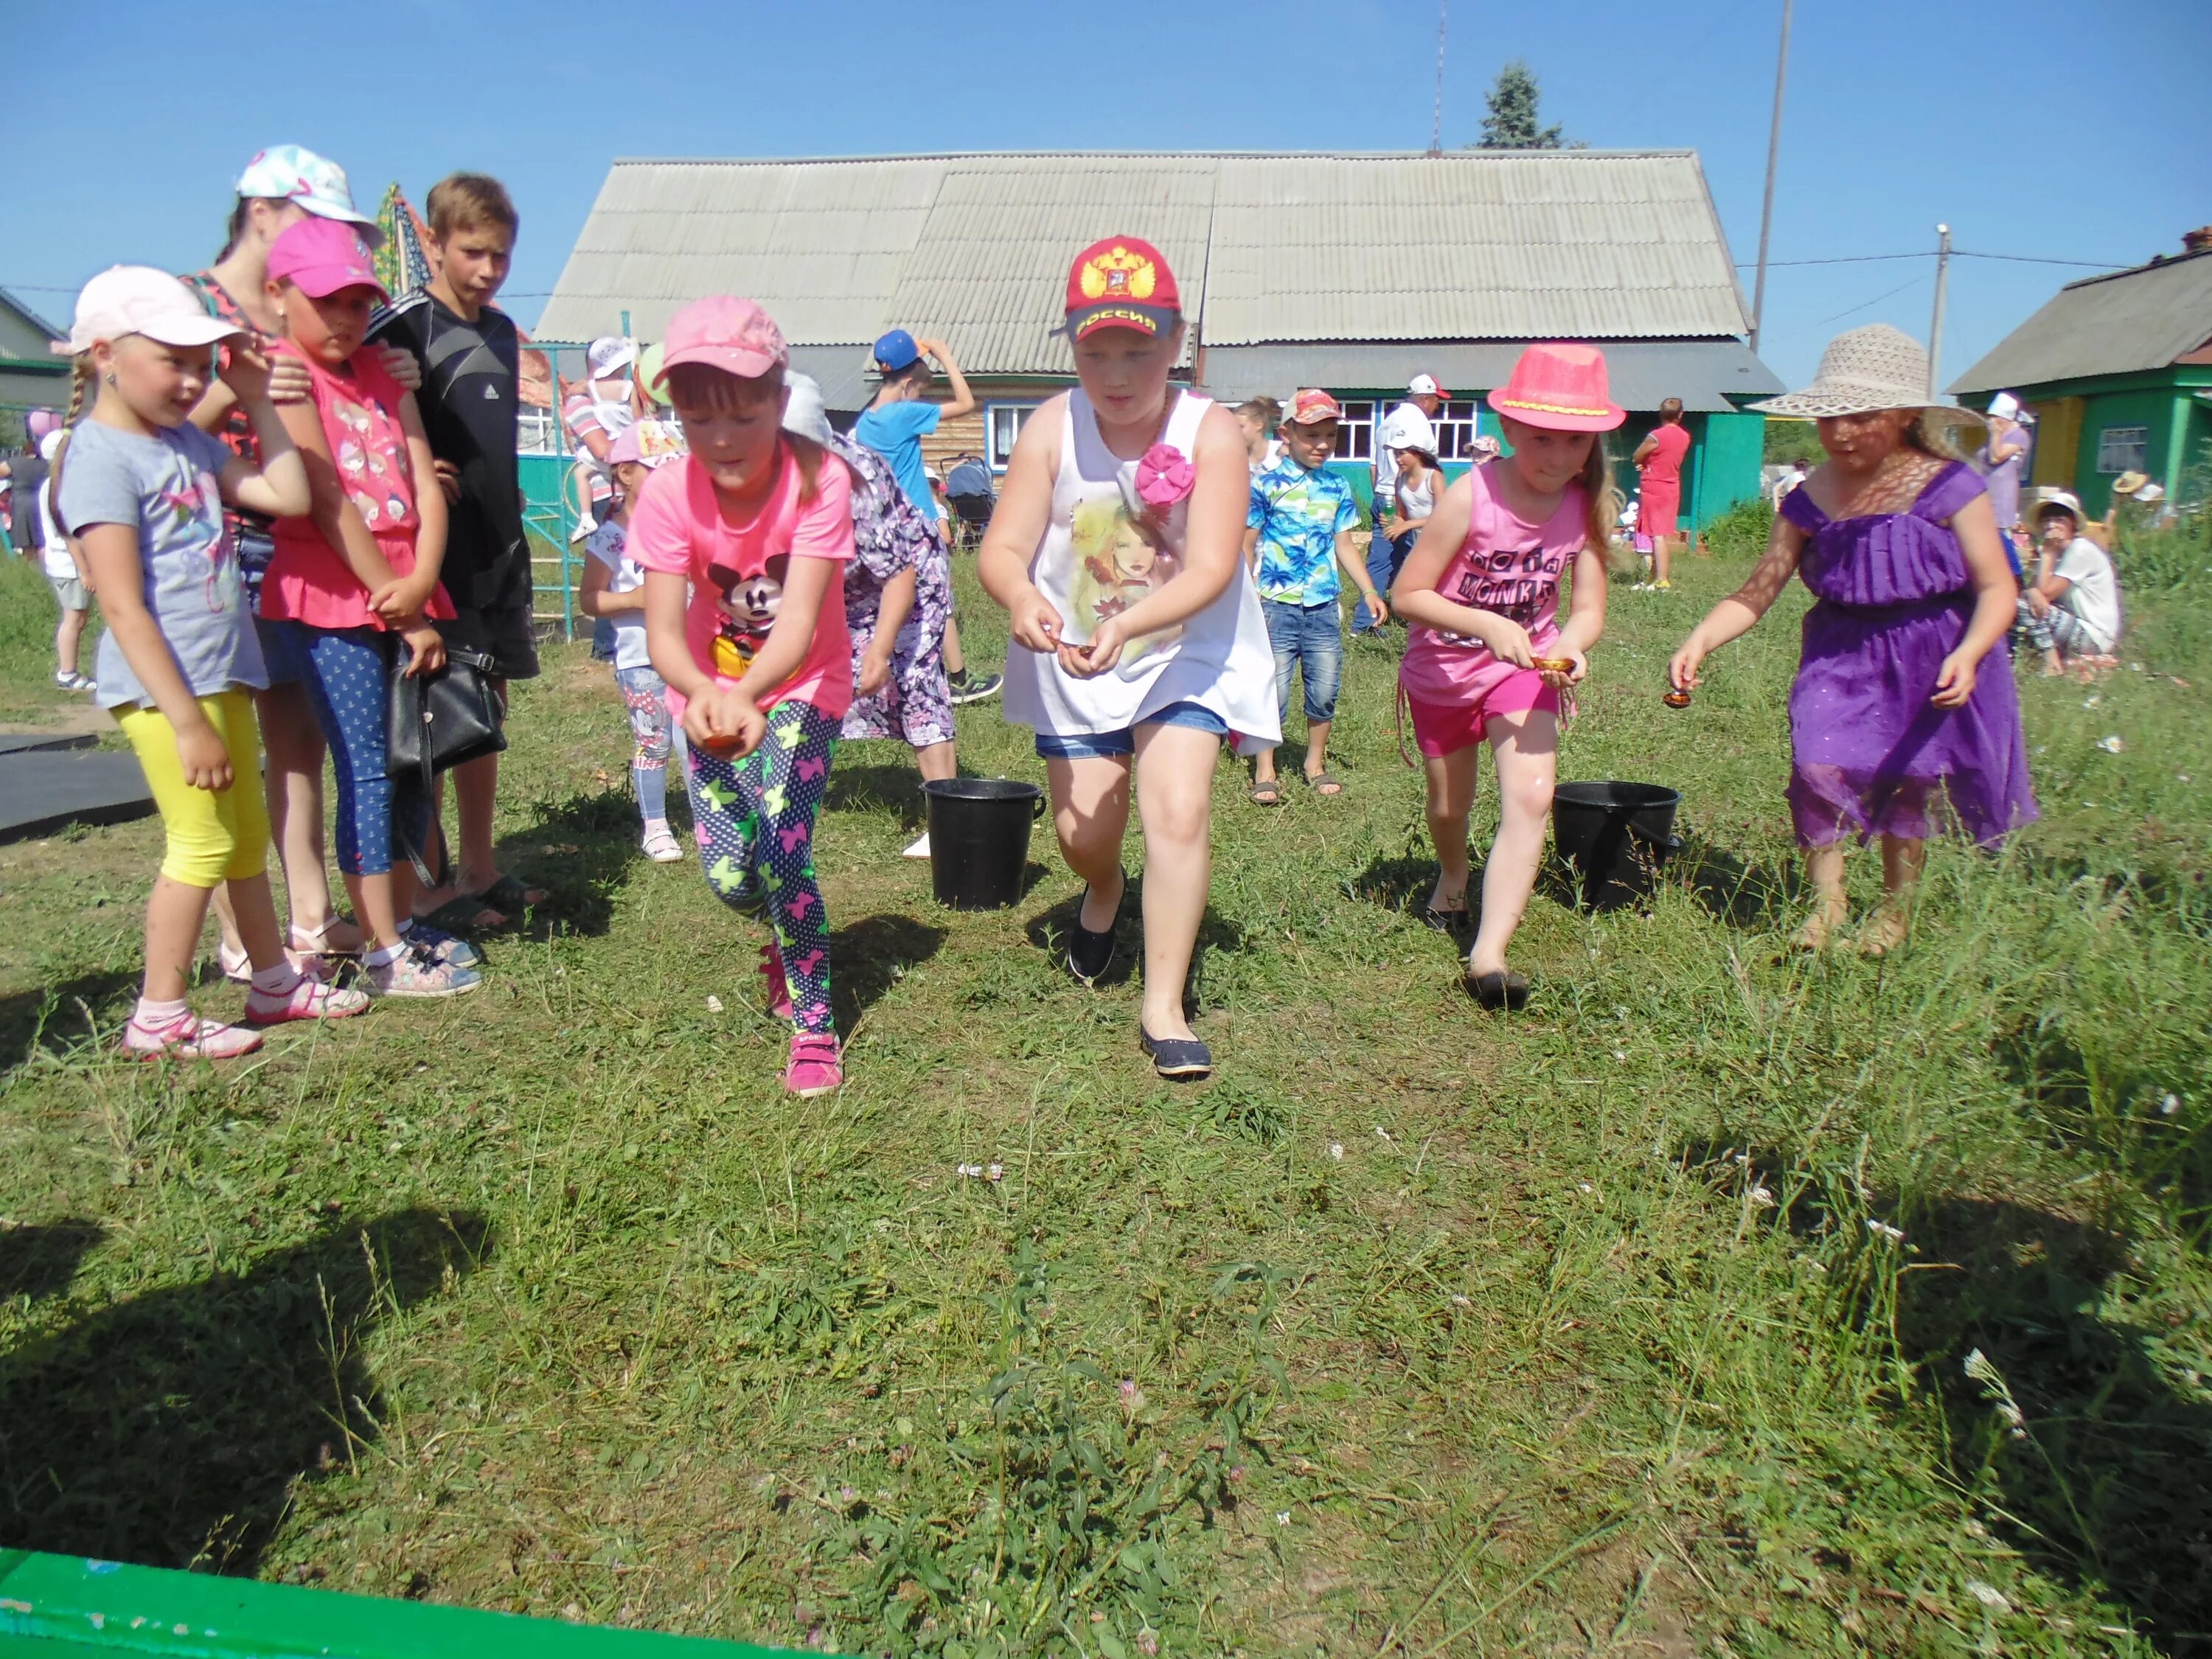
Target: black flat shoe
x=1180 y=1059
x=1502 y=990
x=1445 y=921
x=1091 y=954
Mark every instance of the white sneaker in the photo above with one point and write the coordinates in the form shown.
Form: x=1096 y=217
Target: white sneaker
x=919 y=849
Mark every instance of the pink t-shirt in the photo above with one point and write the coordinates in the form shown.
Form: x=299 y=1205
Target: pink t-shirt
x=737 y=571
x=307 y=581
x=1669 y=444
x=1505 y=565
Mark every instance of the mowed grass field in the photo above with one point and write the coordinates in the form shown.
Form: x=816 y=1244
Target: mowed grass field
x=1726 y=1301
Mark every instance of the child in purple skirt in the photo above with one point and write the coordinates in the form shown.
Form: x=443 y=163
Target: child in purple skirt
x=1893 y=725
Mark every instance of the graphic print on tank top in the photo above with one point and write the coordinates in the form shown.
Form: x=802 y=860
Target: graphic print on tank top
x=1123 y=552
x=1521 y=584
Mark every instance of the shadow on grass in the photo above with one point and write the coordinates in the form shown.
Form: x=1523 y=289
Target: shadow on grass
x=1748 y=897
x=168 y=1430
x=2108 y=1481
x=1050 y=929
x=870 y=956
x=882 y=785
x=57 y=1018
x=580 y=850
x=41 y=1259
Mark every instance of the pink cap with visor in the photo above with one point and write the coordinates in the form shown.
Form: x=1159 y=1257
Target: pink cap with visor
x=323 y=257
x=725 y=333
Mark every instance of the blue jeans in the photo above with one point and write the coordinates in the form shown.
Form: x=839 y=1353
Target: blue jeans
x=1312 y=636
x=1385 y=558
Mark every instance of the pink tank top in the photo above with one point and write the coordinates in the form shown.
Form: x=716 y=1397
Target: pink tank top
x=1505 y=565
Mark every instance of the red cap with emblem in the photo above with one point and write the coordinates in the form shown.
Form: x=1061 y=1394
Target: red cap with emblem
x=1122 y=281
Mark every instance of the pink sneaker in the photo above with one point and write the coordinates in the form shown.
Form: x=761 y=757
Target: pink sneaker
x=188 y=1038
x=309 y=999
x=779 y=989
x=815 y=1067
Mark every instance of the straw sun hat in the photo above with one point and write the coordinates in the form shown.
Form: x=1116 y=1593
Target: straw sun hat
x=1867 y=369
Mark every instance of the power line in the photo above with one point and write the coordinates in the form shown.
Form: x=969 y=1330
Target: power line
x=1877 y=299
x=1956 y=254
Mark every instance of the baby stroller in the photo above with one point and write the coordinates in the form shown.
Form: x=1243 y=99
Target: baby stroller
x=968 y=488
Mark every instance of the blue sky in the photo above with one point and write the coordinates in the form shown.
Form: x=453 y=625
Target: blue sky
x=2062 y=129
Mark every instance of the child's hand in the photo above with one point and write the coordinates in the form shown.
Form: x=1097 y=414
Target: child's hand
x=875 y=671
x=399 y=598
x=1508 y=642
x=449 y=479
x=400 y=364
x=289 y=381
x=1954 y=683
x=1377 y=606
x=1035 y=624
x=427 y=647
x=724 y=721
x=246 y=373
x=1574 y=676
x=1083 y=662
x=206 y=763
x=1682 y=667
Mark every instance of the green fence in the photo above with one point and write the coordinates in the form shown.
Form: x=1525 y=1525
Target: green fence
x=62 y=1607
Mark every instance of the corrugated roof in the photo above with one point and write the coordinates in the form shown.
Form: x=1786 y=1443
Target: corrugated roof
x=1702 y=373
x=2123 y=324
x=1472 y=246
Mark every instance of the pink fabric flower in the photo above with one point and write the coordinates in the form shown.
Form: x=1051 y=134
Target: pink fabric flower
x=1164 y=476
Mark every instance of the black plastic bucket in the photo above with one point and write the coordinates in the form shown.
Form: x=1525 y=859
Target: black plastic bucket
x=1615 y=837
x=979 y=839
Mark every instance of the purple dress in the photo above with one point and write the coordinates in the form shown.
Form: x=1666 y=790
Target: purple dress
x=1870 y=754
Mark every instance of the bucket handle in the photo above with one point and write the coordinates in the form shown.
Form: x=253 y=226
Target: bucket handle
x=1036 y=808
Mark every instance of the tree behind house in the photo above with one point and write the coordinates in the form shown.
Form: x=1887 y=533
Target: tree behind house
x=1511 y=122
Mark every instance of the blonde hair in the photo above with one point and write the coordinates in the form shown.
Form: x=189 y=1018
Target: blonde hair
x=80 y=378
x=470 y=201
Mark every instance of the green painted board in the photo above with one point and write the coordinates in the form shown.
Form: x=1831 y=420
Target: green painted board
x=58 y=1607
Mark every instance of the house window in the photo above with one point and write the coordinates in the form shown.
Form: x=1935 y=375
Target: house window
x=1454 y=425
x=1355 y=433
x=2121 y=448
x=1002 y=425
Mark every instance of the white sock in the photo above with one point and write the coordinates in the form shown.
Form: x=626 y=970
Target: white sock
x=277 y=981
x=384 y=956
x=155 y=1015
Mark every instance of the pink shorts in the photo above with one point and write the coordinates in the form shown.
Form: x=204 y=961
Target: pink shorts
x=1444 y=728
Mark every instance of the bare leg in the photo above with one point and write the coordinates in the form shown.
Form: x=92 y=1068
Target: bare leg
x=956 y=663
x=1452 y=798
x=1263 y=767
x=1902 y=861
x=67 y=637
x=293 y=753
x=1090 y=815
x=1174 y=799
x=1824 y=869
x=1662 y=557
x=1526 y=747
x=1317 y=749
x=174 y=915
x=935 y=762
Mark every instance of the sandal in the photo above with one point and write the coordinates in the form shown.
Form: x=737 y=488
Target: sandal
x=1446 y=921
x=1180 y=1059
x=660 y=844
x=1323 y=783
x=510 y=897
x=1266 y=794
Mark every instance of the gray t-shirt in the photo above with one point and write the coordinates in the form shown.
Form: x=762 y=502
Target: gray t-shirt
x=165 y=487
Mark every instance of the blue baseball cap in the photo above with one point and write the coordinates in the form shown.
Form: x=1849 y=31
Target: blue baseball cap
x=897 y=351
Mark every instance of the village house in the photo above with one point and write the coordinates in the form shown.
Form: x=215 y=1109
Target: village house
x=1353 y=272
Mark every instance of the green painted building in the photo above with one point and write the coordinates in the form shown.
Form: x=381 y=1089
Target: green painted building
x=30 y=375
x=2118 y=371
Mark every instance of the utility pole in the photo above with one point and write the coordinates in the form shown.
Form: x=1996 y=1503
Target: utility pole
x=1773 y=148
x=1935 y=327
x=1436 y=121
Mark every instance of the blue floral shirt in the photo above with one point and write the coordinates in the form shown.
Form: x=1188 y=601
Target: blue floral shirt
x=1300 y=515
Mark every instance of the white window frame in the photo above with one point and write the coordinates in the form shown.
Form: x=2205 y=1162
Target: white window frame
x=2122 y=449
x=1355 y=433
x=1009 y=416
x=1455 y=424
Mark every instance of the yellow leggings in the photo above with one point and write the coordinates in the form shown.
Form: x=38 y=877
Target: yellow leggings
x=214 y=835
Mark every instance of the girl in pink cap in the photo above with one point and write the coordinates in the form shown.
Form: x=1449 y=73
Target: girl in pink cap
x=352 y=589
x=1485 y=657
x=744 y=543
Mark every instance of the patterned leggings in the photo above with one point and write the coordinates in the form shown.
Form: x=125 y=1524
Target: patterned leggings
x=345 y=679
x=755 y=821
x=645 y=694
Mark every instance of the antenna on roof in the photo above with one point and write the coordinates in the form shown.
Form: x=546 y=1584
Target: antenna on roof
x=1436 y=121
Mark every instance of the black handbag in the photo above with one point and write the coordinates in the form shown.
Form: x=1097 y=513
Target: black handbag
x=436 y=721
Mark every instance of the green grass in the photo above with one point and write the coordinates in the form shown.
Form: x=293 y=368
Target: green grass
x=1638 y=1323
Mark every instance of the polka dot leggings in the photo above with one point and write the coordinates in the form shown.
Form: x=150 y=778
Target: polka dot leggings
x=754 y=822
x=347 y=669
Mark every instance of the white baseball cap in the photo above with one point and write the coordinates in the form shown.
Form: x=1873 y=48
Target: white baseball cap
x=803 y=411
x=1425 y=386
x=140 y=299
x=609 y=355
x=291 y=173
x=2005 y=406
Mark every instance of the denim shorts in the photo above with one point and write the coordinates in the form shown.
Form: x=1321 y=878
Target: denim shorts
x=1111 y=745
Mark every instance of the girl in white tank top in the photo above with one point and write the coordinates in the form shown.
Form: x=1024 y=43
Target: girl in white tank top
x=1116 y=549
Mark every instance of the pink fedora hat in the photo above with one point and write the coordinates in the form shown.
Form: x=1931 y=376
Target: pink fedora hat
x=1560 y=386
